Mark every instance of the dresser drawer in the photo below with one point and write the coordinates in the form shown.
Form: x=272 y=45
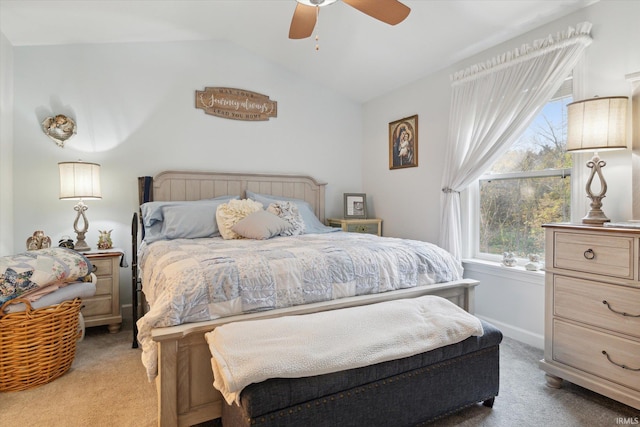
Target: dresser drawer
x=584 y=301
x=594 y=253
x=582 y=348
x=102 y=267
x=96 y=306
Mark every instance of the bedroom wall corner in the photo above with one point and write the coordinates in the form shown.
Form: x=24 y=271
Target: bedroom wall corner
x=407 y=200
x=6 y=146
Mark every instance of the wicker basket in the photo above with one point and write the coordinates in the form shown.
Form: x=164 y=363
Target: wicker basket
x=37 y=346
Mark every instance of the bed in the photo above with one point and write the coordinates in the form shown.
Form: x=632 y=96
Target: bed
x=184 y=375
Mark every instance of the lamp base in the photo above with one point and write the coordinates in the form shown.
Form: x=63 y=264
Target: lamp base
x=595 y=217
x=81 y=246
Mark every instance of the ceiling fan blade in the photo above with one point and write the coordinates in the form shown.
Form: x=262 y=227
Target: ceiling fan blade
x=303 y=21
x=390 y=11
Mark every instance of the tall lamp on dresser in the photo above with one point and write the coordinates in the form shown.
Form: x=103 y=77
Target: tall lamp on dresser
x=597 y=124
x=592 y=276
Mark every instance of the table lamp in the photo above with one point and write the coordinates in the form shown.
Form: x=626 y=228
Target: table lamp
x=78 y=181
x=597 y=124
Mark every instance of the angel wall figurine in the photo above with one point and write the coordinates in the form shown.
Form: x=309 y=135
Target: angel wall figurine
x=59 y=128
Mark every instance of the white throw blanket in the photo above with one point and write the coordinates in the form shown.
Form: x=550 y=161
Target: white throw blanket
x=313 y=344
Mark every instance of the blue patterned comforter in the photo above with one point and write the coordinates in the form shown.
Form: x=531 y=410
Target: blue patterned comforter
x=193 y=280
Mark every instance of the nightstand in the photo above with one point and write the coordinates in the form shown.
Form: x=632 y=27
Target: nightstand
x=592 y=313
x=104 y=307
x=370 y=226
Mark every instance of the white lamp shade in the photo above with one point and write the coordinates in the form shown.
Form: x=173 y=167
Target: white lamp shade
x=597 y=124
x=79 y=180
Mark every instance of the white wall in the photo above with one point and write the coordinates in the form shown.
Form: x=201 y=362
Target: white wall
x=6 y=146
x=134 y=105
x=408 y=200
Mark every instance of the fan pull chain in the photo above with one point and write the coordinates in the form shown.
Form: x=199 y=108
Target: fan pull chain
x=317 y=26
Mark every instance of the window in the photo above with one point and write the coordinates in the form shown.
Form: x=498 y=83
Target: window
x=528 y=186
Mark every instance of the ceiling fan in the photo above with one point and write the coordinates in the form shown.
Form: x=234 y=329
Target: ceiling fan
x=306 y=14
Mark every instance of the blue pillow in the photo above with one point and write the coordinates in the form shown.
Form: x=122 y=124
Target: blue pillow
x=181 y=219
x=312 y=224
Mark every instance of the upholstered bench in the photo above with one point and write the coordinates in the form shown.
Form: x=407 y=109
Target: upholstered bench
x=403 y=392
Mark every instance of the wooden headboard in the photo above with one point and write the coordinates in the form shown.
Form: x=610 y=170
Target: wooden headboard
x=188 y=185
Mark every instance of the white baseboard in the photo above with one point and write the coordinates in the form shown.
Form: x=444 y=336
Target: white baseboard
x=522 y=335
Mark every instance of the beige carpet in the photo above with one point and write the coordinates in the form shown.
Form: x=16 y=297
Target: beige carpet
x=106 y=386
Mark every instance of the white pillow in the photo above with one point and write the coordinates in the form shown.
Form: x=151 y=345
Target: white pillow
x=228 y=214
x=260 y=225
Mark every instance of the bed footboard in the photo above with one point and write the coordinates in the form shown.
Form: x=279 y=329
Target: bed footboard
x=186 y=395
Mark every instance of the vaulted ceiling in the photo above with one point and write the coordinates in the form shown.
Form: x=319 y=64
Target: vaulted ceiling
x=358 y=56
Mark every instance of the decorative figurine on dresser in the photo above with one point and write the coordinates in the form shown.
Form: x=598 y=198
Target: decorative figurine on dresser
x=592 y=309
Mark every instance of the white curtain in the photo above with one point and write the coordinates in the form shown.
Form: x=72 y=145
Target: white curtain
x=492 y=104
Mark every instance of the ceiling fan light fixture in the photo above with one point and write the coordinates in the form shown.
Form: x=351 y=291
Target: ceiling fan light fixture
x=320 y=3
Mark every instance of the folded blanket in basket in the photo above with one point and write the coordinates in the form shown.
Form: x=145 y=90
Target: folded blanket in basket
x=27 y=272
x=330 y=341
x=64 y=293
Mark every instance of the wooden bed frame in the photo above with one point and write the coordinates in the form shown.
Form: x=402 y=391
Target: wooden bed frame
x=184 y=384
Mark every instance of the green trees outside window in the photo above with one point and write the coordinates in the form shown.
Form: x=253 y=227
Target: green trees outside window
x=528 y=186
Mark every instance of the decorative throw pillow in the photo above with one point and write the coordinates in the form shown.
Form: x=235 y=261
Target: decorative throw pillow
x=261 y=225
x=289 y=212
x=228 y=214
x=311 y=223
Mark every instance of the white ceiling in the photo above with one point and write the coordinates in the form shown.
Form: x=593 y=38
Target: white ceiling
x=358 y=56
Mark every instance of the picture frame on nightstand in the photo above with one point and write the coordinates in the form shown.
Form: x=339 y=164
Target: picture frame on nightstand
x=355 y=205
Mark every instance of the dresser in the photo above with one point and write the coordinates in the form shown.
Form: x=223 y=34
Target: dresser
x=370 y=226
x=592 y=309
x=104 y=307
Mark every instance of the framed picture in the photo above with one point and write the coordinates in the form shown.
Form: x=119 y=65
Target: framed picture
x=403 y=143
x=355 y=205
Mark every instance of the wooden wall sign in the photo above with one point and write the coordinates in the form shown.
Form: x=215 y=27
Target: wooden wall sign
x=236 y=104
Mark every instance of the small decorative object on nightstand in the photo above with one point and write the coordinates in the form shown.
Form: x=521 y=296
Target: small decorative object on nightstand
x=369 y=226
x=104 y=307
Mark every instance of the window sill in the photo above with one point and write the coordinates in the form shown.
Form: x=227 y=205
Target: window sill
x=517 y=273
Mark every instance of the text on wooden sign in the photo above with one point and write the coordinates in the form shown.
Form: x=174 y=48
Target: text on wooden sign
x=236 y=104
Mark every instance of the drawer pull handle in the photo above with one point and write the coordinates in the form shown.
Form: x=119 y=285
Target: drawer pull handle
x=618 y=364
x=619 y=312
x=589 y=254
x=94 y=269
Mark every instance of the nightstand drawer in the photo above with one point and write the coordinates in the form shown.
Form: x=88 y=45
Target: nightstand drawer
x=96 y=306
x=584 y=301
x=102 y=267
x=583 y=348
x=363 y=228
x=104 y=286
x=598 y=254
x=368 y=226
